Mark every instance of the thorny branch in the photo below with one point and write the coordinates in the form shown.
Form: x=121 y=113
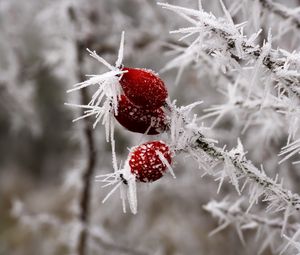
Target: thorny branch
x=237 y=43
x=193 y=142
x=244 y=168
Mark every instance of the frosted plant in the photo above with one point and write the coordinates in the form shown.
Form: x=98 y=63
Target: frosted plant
x=185 y=135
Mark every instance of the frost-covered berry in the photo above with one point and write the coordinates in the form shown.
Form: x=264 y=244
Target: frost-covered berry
x=143 y=88
x=137 y=119
x=146 y=162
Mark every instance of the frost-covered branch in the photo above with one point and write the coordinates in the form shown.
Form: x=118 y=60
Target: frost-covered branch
x=235 y=166
x=273 y=191
x=231 y=48
x=186 y=135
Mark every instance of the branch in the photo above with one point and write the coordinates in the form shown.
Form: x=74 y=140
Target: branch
x=88 y=172
x=186 y=136
x=237 y=47
x=271 y=189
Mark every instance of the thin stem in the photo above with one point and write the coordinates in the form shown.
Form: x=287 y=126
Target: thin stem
x=88 y=172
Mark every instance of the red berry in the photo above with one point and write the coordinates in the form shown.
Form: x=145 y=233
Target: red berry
x=139 y=120
x=143 y=88
x=145 y=163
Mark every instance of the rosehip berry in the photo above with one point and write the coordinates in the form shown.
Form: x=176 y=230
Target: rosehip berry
x=146 y=164
x=137 y=119
x=143 y=88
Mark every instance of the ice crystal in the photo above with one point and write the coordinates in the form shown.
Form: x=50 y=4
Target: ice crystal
x=122 y=179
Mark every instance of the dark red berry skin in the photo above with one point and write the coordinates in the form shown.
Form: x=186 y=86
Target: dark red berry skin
x=143 y=88
x=144 y=162
x=137 y=119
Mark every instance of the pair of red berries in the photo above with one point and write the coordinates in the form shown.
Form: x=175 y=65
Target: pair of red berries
x=140 y=110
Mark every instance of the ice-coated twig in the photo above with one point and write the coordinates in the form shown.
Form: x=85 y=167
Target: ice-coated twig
x=227 y=42
x=290 y=150
x=236 y=167
x=278 y=197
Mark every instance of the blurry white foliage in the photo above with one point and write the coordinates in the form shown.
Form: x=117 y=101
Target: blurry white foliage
x=267 y=229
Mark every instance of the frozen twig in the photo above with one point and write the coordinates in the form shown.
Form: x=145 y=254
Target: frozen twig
x=227 y=41
x=272 y=190
x=185 y=132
